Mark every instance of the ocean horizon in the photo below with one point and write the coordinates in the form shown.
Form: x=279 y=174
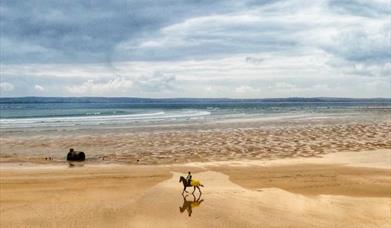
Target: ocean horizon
x=27 y=112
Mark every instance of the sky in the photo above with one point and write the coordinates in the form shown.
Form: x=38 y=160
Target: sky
x=196 y=48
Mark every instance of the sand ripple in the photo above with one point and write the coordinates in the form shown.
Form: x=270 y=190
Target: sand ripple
x=179 y=146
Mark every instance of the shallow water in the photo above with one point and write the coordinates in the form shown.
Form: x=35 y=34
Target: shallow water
x=75 y=113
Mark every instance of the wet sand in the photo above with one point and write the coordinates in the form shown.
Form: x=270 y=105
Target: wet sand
x=308 y=139
x=334 y=191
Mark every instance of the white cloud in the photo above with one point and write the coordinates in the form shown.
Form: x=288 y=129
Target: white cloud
x=246 y=89
x=284 y=86
x=39 y=88
x=156 y=82
x=287 y=89
x=283 y=29
x=280 y=48
x=6 y=87
x=276 y=76
x=87 y=71
x=209 y=88
x=112 y=87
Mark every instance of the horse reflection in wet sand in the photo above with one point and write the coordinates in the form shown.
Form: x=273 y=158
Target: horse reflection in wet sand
x=189 y=205
x=194 y=183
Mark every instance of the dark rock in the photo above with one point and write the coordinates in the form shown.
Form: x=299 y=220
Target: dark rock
x=75 y=155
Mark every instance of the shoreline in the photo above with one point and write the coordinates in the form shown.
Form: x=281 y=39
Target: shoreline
x=197 y=145
x=380 y=158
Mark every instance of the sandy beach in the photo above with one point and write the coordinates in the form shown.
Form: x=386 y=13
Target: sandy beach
x=315 y=173
x=302 y=193
x=195 y=114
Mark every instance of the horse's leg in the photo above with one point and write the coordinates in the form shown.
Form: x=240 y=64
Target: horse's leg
x=199 y=189
x=199 y=196
x=194 y=190
x=184 y=189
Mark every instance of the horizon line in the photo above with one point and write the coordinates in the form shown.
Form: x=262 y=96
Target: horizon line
x=199 y=98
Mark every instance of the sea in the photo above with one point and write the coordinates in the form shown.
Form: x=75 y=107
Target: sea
x=55 y=112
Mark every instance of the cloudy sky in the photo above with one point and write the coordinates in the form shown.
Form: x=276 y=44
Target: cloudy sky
x=196 y=48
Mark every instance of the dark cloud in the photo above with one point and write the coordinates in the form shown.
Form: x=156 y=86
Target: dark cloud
x=87 y=31
x=104 y=47
x=362 y=47
x=215 y=36
x=361 y=8
x=364 y=52
x=56 y=31
x=254 y=60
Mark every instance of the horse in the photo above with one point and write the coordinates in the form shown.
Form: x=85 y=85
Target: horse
x=194 y=183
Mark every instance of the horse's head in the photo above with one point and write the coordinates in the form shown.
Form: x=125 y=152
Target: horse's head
x=181 y=179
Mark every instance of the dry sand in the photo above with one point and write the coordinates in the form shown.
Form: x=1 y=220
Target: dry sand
x=302 y=193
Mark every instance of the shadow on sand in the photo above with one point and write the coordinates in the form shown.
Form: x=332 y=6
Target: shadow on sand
x=75 y=164
x=188 y=205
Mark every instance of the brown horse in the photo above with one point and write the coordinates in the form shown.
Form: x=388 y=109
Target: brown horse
x=194 y=183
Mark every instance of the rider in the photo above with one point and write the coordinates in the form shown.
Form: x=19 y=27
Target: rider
x=188 y=178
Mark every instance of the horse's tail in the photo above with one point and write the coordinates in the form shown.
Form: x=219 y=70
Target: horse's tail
x=202 y=185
